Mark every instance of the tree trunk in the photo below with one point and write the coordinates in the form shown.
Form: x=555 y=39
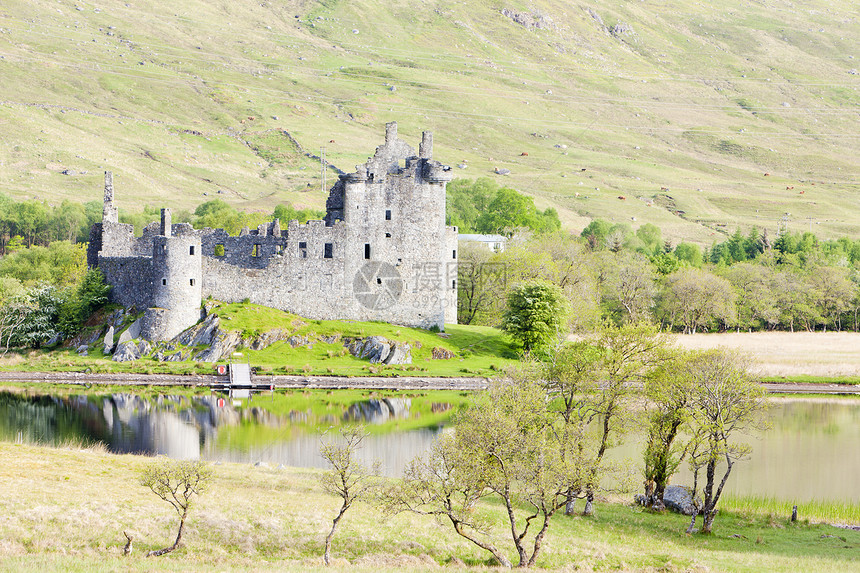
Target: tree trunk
x=175 y=543
x=330 y=536
x=503 y=561
x=589 y=504
x=708 y=520
x=568 y=506
x=539 y=541
x=692 y=524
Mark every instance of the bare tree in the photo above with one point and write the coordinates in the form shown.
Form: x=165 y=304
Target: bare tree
x=348 y=479
x=504 y=446
x=480 y=284
x=634 y=287
x=725 y=402
x=176 y=482
x=445 y=484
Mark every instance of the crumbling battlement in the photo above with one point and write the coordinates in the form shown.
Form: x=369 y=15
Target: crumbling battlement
x=382 y=252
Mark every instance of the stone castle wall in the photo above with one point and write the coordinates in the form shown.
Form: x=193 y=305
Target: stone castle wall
x=382 y=253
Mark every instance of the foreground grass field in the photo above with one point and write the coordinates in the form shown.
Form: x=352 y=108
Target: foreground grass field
x=66 y=509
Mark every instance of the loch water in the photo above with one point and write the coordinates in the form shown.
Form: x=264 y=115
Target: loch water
x=810 y=450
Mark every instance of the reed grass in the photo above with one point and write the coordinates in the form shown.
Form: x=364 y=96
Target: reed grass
x=74 y=443
x=816 y=510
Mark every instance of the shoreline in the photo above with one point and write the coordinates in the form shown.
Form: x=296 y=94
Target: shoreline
x=287 y=382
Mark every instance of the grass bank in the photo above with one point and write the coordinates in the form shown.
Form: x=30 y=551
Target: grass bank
x=65 y=509
x=474 y=351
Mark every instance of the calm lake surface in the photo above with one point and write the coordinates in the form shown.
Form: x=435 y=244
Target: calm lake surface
x=811 y=450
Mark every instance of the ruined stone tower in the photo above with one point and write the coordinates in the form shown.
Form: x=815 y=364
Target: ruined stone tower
x=176 y=282
x=383 y=252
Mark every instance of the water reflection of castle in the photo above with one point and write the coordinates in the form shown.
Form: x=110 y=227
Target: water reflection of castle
x=188 y=428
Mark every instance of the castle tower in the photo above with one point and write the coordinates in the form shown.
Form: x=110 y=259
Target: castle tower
x=176 y=281
x=400 y=255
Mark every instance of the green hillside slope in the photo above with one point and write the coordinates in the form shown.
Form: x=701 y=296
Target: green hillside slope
x=697 y=117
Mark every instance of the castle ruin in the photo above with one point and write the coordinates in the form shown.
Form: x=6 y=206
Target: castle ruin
x=382 y=253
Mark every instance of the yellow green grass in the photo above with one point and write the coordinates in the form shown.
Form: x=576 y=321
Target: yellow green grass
x=66 y=509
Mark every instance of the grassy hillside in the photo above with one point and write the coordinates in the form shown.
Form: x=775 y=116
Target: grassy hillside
x=320 y=348
x=681 y=109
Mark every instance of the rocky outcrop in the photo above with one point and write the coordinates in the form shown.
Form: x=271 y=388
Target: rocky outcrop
x=267 y=339
x=677 y=498
x=531 y=21
x=200 y=334
x=222 y=346
x=130 y=333
x=377 y=350
x=131 y=350
x=108 y=342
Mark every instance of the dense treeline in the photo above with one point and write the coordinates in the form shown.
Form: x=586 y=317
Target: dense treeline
x=484 y=207
x=747 y=282
x=29 y=223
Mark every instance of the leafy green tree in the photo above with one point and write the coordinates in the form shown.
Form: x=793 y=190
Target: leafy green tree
x=690 y=254
x=90 y=295
x=10 y=287
x=218 y=214
x=65 y=221
x=140 y=219
x=571 y=377
x=665 y=263
x=833 y=293
x=506 y=446
x=595 y=234
x=447 y=485
x=633 y=287
x=61 y=263
x=30 y=320
x=561 y=259
x=629 y=353
x=756 y=302
x=31 y=218
x=694 y=298
x=651 y=237
x=510 y=210
x=536 y=314
x=792 y=297
x=285 y=212
x=466 y=200
x=669 y=393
